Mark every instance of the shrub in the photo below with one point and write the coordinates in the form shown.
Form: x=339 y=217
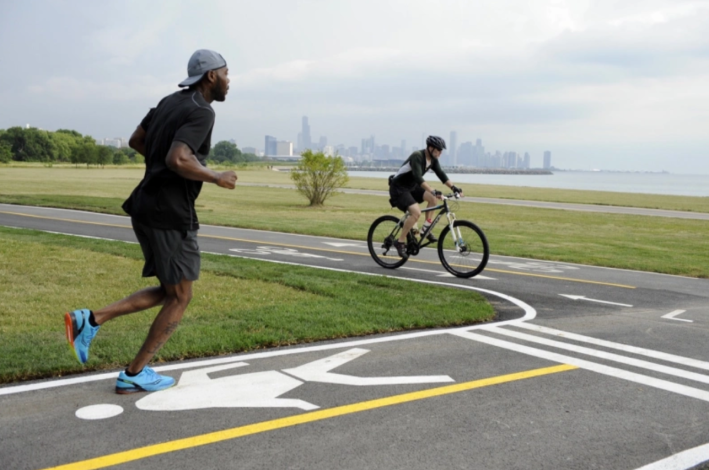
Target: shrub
x=317 y=176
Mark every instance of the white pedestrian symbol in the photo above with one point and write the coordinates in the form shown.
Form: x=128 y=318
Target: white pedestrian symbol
x=196 y=390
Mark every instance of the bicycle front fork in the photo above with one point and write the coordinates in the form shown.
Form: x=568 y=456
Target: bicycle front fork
x=455 y=232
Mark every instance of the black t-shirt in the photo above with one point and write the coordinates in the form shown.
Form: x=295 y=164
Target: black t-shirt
x=164 y=199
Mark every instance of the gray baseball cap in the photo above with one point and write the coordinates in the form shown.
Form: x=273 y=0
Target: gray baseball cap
x=201 y=62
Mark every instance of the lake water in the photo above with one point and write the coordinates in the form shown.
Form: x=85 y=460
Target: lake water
x=649 y=183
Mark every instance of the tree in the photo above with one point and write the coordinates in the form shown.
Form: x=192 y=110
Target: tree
x=317 y=176
x=120 y=158
x=70 y=132
x=77 y=155
x=104 y=155
x=5 y=152
x=124 y=155
x=65 y=142
x=30 y=145
x=225 y=151
x=90 y=153
x=85 y=152
x=90 y=150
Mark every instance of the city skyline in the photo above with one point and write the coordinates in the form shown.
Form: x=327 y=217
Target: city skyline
x=604 y=84
x=464 y=155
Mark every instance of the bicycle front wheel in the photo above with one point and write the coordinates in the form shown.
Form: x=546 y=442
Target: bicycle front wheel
x=380 y=241
x=465 y=253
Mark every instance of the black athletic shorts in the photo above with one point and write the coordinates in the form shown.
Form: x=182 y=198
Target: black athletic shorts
x=171 y=255
x=403 y=198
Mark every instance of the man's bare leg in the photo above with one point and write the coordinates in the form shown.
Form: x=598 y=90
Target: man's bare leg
x=177 y=298
x=414 y=214
x=136 y=302
x=431 y=200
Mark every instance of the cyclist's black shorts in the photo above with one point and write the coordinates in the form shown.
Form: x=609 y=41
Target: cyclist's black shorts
x=403 y=198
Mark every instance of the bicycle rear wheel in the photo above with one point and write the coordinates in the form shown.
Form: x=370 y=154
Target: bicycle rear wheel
x=380 y=241
x=464 y=256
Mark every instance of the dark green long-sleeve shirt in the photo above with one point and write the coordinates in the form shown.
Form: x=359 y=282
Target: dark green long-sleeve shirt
x=410 y=175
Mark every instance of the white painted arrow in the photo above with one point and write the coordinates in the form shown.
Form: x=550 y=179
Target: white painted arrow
x=672 y=315
x=319 y=371
x=582 y=297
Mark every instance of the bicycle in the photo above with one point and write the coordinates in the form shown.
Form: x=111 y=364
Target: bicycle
x=462 y=246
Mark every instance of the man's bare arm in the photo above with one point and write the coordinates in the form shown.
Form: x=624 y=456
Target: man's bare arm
x=182 y=161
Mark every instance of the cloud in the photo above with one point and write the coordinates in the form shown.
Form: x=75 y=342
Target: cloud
x=70 y=89
x=572 y=74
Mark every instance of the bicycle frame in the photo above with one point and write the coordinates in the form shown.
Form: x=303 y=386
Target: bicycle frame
x=444 y=210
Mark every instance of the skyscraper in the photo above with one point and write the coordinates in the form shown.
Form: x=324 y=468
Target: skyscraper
x=465 y=154
x=270 y=146
x=479 y=153
x=453 y=150
x=547 y=159
x=368 y=146
x=305 y=141
x=284 y=148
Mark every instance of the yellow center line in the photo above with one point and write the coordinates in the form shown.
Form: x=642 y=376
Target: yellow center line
x=233 y=433
x=559 y=278
x=328 y=250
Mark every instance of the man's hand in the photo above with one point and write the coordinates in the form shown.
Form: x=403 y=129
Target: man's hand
x=437 y=193
x=226 y=179
x=457 y=190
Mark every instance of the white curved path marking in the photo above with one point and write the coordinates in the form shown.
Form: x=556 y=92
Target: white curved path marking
x=681 y=461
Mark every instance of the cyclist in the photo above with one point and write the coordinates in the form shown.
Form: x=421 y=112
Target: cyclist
x=407 y=188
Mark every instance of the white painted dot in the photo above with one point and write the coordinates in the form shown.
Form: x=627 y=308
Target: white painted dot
x=99 y=411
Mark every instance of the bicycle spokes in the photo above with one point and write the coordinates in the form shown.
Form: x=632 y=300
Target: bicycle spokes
x=463 y=251
x=380 y=241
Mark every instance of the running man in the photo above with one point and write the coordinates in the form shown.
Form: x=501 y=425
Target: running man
x=407 y=188
x=175 y=139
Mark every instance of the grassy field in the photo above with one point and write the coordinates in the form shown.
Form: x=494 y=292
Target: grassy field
x=238 y=305
x=21 y=179
x=673 y=246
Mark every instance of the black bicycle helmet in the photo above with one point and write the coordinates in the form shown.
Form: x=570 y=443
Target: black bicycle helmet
x=435 y=142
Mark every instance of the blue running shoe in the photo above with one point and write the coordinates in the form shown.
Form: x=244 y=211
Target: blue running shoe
x=147 y=381
x=79 y=333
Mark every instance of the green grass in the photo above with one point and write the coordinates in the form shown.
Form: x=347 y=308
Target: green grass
x=119 y=181
x=238 y=305
x=657 y=244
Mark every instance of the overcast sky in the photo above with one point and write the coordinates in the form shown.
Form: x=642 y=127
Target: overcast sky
x=620 y=85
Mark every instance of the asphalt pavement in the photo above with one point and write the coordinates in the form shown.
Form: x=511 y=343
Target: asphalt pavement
x=585 y=368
